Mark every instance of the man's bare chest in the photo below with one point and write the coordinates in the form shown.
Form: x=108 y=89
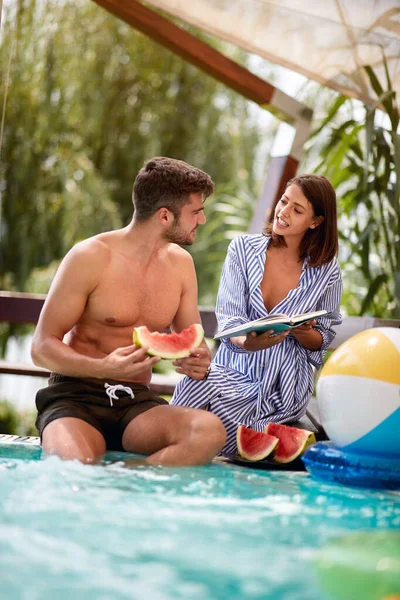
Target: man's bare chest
x=127 y=296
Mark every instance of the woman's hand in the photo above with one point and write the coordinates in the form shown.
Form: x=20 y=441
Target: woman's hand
x=253 y=342
x=305 y=328
x=307 y=336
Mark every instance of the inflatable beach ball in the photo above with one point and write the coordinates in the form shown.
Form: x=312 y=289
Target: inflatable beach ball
x=358 y=393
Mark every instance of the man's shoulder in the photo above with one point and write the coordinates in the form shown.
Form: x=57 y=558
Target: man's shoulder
x=179 y=253
x=95 y=247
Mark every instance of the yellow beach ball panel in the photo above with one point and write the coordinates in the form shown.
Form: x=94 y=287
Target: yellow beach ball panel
x=358 y=392
x=373 y=353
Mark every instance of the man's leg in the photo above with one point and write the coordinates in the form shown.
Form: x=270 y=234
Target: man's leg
x=174 y=435
x=71 y=438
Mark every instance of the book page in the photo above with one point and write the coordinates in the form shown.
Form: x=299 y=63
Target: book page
x=299 y=319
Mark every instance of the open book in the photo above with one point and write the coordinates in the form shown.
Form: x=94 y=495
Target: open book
x=277 y=323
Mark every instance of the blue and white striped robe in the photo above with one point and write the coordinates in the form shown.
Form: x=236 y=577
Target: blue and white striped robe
x=253 y=388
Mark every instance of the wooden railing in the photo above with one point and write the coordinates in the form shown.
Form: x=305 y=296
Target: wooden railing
x=25 y=308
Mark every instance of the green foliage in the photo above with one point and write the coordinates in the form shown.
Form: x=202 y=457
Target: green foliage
x=362 y=160
x=53 y=194
x=8 y=418
x=90 y=100
x=26 y=424
x=228 y=215
x=16 y=423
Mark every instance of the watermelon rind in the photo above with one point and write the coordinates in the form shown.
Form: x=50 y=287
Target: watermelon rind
x=254 y=445
x=293 y=442
x=170 y=346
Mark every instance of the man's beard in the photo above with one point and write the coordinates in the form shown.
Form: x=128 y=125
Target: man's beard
x=177 y=236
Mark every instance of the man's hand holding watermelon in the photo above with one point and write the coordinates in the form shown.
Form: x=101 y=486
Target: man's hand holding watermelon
x=197 y=365
x=188 y=350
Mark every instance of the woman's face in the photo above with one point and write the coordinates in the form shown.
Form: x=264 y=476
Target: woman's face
x=294 y=214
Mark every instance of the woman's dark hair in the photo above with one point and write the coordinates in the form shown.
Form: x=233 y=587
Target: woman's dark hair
x=167 y=182
x=321 y=243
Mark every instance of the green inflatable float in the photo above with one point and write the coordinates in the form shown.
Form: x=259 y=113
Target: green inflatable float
x=362 y=565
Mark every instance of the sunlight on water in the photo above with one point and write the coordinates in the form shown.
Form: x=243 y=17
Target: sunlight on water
x=113 y=531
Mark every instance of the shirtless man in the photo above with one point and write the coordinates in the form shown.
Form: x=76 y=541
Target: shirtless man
x=98 y=395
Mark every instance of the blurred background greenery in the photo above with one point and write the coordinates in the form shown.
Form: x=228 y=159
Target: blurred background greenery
x=89 y=100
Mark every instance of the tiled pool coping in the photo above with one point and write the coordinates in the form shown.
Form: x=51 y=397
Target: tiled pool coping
x=6 y=438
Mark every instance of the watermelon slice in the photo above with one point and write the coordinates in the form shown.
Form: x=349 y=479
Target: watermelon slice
x=169 y=345
x=254 y=445
x=292 y=441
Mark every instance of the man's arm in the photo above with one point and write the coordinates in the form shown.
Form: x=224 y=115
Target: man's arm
x=196 y=365
x=76 y=279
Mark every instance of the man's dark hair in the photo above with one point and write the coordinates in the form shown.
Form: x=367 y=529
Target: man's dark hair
x=321 y=243
x=167 y=182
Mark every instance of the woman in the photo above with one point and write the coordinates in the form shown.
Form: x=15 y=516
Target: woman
x=291 y=269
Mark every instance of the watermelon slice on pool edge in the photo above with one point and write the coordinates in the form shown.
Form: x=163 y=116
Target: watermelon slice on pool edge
x=254 y=445
x=169 y=345
x=292 y=441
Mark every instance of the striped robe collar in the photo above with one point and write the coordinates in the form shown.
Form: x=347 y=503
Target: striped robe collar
x=294 y=302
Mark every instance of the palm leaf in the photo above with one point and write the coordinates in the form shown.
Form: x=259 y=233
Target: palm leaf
x=372 y=291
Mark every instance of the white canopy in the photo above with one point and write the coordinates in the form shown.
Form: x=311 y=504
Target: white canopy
x=328 y=41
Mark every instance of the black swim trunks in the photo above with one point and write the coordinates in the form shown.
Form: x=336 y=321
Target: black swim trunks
x=107 y=405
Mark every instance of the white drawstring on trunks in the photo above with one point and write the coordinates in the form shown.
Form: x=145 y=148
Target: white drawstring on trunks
x=112 y=389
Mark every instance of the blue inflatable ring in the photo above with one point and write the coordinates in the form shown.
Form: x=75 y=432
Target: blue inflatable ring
x=325 y=461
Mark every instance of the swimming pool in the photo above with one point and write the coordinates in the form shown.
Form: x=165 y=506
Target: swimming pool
x=128 y=531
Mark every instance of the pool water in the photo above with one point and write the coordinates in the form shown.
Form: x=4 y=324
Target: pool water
x=122 y=530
